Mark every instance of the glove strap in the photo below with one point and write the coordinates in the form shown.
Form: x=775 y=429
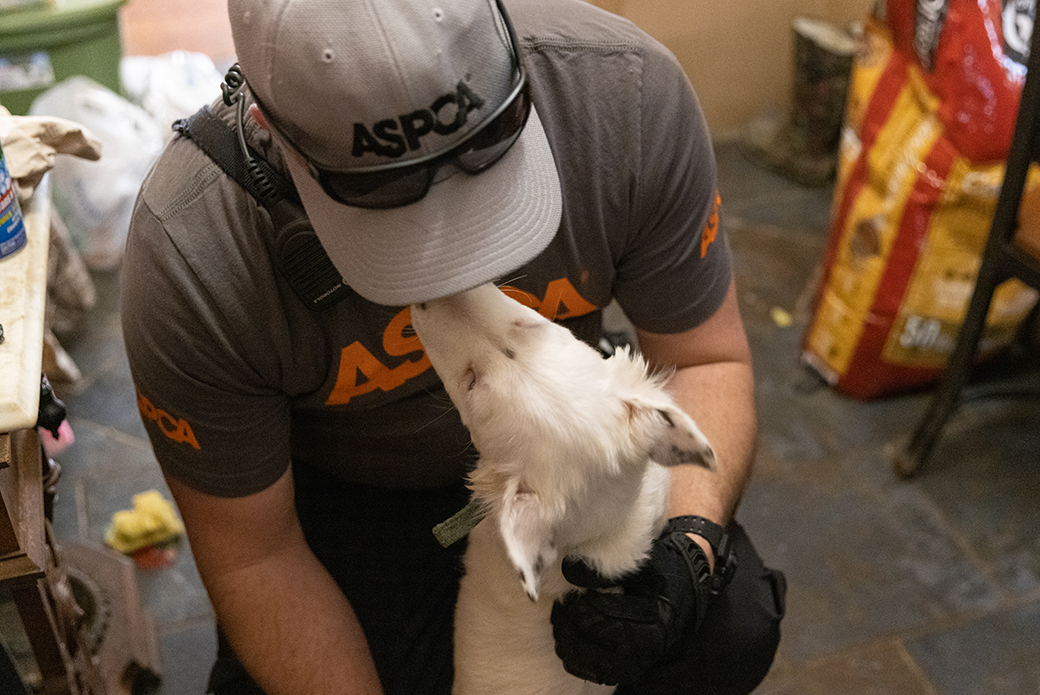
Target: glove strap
x=700 y=571
x=718 y=539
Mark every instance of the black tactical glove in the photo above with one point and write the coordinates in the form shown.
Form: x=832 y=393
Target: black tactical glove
x=616 y=637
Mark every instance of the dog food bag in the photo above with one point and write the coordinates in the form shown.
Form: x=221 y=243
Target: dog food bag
x=930 y=116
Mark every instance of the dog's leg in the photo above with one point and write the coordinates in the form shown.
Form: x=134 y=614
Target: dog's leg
x=527 y=525
x=503 y=640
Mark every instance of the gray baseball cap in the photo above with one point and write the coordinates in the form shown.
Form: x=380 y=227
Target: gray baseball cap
x=361 y=87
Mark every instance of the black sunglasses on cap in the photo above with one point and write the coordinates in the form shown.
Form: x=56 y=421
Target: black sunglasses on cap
x=403 y=183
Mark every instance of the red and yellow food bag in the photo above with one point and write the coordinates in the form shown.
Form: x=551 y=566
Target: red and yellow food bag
x=931 y=111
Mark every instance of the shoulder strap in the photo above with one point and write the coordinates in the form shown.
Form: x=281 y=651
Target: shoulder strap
x=220 y=141
x=298 y=251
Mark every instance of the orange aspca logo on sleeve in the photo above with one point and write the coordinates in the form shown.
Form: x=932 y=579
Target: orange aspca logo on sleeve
x=176 y=429
x=711 y=229
x=561 y=301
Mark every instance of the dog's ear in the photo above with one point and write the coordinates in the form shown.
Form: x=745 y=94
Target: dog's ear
x=527 y=526
x=675 y=437
x=672 y=435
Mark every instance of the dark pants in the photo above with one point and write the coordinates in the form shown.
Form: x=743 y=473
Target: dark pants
x=379 y=546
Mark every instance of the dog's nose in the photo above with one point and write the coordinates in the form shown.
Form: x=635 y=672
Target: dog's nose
x=421 y=306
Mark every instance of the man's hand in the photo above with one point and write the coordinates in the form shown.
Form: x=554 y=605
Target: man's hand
x=616 y=637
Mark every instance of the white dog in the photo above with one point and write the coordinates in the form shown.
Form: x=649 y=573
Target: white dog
x=572 y=454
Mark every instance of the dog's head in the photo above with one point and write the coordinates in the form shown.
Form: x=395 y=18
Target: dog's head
x=555 y=424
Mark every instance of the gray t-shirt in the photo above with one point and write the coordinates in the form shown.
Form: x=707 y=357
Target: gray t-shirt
x=236 y=378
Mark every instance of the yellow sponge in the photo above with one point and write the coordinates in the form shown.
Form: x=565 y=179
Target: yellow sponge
x=151 y=521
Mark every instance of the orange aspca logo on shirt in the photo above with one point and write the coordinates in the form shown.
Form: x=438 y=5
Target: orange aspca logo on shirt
x=355 y=359
x=711 y=229
x=176 y=429
x=561 y=301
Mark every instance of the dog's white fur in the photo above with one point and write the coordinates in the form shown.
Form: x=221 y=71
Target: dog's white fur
x=572 y=454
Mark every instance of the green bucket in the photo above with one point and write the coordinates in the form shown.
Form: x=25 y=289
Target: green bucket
x=41 y=46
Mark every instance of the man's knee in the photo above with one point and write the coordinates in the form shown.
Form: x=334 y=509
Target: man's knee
x=734 y=648
x=743 y=625
x=740 y=652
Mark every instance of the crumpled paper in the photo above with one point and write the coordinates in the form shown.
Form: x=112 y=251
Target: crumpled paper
x=31 y=145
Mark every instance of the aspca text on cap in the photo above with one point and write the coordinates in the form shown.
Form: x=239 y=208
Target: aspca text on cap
x=392 y=137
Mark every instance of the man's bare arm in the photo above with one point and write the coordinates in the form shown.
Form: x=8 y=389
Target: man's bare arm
x=285 y=617
x=713 y=382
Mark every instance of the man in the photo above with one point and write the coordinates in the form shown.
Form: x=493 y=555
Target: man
x=311 y=452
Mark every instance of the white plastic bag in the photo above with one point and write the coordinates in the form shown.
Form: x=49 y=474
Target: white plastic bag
x=95 y=199
x=170 y=86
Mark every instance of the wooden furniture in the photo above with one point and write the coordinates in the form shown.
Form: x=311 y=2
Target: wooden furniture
x=28 y=569
x=78 y=605
x=1012 y=251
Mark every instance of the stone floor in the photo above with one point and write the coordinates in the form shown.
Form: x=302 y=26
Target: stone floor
x=925 y=587
x=920 y=587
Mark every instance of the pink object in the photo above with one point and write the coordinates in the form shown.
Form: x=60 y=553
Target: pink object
x=54 y=446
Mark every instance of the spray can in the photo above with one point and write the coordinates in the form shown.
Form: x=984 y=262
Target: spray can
x=12 y=226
